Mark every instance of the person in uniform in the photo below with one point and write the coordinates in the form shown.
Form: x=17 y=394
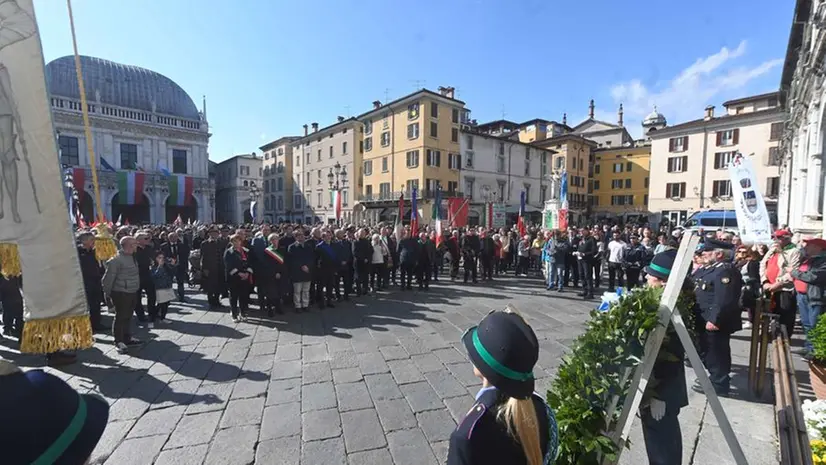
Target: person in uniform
x=509 y=423
x=212 y=267
x=717 y=285
x=666 y=393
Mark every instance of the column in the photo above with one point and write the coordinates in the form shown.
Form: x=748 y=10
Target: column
x=813 y=164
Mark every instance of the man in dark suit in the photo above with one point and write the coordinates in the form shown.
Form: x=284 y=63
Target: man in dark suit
x=212 y=267
x=92 y=273
x=145 y=257
x=177 y=253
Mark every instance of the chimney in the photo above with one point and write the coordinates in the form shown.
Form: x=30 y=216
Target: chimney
x=315 y=127
x=376 y=104
x=619 y=114
x=305 y=130
x=565 y=119
x=447 y=92
x=709 y=113
x=340 y=119
x=591 y=109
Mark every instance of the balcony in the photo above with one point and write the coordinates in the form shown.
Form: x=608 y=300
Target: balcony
x=423 y=194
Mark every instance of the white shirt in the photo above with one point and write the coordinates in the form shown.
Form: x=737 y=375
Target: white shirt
x=615 y=251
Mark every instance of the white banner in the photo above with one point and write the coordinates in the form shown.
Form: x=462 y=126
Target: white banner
x=752 y=216
x=499 y=215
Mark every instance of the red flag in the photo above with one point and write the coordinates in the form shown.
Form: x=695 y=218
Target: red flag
x=457 y=211
x=414 y=215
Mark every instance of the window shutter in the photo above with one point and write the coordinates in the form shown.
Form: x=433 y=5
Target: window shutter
x=736 y=136
x=458 y=161
x=438 y=158
x=670 y=145
x=685 y=162
x=668 y=191
x=685 y=142
x=670 y=165
x=719 y=138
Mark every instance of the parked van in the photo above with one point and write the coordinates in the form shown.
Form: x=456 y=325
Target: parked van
x=712 y=220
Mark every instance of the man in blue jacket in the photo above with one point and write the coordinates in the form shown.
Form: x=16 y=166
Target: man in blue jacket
x=328 y=263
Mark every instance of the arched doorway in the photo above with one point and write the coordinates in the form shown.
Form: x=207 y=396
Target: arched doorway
x=188 y=212
x=87 y=207
x=133 y=214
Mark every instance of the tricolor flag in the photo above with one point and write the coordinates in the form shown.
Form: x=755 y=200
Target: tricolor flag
x=130 y=187
x=487 y=219
x=437 y=217
x=414 y=214
x=397 y=231
x=180 y=190
x=520 y=222
x=337 y=204
x=563 y=197
x=163 y=170
x=120 y=220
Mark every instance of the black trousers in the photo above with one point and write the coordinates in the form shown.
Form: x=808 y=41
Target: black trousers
x=615 y=274
x=471 y=264
x=663 y=438
x=392 y=271
x=94 y=295
x=571 y=271
x=632 y=276
x=423 y=271
x=214 y=287
x=325 y=283
x=784 y=304
x=149 y=287
x=454 y=266
x=344 y=279
x=586 y=272
x=239 y=296
x=182 y=279
x=434 y=268
x=362 y=278
x=487 y=267
x=406 y=278
x=272 y=293
x=12 y=313
x=715 y=346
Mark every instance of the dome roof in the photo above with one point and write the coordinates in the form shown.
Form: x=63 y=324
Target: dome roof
x=120 y=85
x=654 y=117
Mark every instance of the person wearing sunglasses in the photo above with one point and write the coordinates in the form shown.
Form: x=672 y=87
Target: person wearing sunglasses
x=509 y=423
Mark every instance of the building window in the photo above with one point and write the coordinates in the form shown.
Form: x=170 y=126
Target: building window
x=280 y=185
x=454 y=134
x=675 y=190
x=468 y=159
x=677 y=164
x=502 y=187
x=318 y=200
x=244 y=170
x=331 y=151
x=628 y=166
x=432 y=185
x=543 y=191
x=297 y=201
x=318 y=155
x=307 y=158
x=622 y=200
x=280 y=203
x=728 y=137
x=544 y=164
x=721 y=188
x=434 y=110
x=412 y=184
x=69 y=153
x=246 y=183
x=678 y=144
x=616 y=184
x=280 y=167
x=344 y=198
x=722 y=160
x=384 y=190
x=307 y=181
x=627 y=183
x=774 y=157
x=368 y=127
x=469 y=188
x=469 y=139
x=773 y=186
x=559 y=163
x=434 y=129
x=298 y=160
x=618 y=167
x=368 y=167
x=527 y=162
x=455 y=116
x=500 y=163
x=413 y=111
x=368 y=144
x=368 y=191
x=596 y=184
x=128 y=156
x=434 y=158
x=646 y=183
x=527 y=193
x=384 y=165
x=413 y=131
x=179 y=161
x=596 y=168
x=413 y=159
x=454 y=161
x=776 y=131
x=385 y=138
x=739 y=110
x=318 y=177
x=501 y=148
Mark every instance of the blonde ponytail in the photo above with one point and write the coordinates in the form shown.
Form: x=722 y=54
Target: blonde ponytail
x=519 y=415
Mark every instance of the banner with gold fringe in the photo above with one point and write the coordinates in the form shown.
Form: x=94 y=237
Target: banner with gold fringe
x=33 y=213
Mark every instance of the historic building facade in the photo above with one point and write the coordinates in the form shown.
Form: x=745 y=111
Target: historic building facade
x=149 y=139
x=238 y=181
x=278 y=179
x=803 y=94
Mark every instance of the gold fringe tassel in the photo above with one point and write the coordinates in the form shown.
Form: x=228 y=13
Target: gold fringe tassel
x=105 y=248
x=54 y=334
x=10 y=260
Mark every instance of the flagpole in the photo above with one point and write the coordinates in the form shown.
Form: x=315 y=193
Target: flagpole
x=85 y=110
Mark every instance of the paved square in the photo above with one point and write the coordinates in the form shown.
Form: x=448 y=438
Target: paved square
x=376 y=380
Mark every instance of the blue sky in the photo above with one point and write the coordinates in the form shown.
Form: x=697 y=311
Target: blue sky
x=271 y=66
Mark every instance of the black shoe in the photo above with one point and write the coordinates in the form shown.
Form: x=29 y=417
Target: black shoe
x=142 y=319
x=133 y=342
x=330 y=304
x=58 y=359
x=270 y=312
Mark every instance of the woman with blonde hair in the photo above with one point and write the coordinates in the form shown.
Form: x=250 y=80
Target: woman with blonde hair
x=509 y=424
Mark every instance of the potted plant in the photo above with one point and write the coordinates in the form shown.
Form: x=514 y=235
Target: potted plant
x=817 y=364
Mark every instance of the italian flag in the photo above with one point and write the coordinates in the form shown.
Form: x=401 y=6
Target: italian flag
x=180 y=190
x=437 y=217
x=487 y=214
x=337 y=204
x=130 y=187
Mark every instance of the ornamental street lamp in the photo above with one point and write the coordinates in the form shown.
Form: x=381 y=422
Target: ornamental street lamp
x=337 y=178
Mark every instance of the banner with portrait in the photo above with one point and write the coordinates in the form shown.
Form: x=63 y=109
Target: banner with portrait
x=753 y=220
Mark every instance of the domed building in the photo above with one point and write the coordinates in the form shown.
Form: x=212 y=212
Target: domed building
x=150 y=142
x=653 y=122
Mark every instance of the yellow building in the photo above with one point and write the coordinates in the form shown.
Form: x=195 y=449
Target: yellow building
x=620 y=181
x=410 y=142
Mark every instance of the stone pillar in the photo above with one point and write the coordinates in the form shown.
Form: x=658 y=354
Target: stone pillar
x=813 y=172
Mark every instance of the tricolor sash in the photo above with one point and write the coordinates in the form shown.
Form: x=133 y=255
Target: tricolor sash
x=275 y=255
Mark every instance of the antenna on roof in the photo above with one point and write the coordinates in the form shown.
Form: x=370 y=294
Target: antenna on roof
x=386 y=94
x=503 y=111
x=418 y=83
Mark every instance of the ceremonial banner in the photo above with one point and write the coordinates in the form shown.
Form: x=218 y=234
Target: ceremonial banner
x=436 y=216
x=32 y=214
x=130 y=187
x=563 y=198
x=494 y=215
x=180 y=190
x=457 y=211
x=79 y=180
x=752 y=216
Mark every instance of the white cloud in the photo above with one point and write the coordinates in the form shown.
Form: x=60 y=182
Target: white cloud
x=263 y=136
x=684 y=97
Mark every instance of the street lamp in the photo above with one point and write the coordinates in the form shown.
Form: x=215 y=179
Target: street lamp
x=337 y=178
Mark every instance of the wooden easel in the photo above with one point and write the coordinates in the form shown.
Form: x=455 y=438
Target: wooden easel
x=642 y=374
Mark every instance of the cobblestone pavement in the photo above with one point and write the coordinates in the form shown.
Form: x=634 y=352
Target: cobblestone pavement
x=378 y=380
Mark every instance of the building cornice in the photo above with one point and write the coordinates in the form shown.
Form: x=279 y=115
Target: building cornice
x=721 y=123
x=402 y=101
x=509 y=141
x=165 y=132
